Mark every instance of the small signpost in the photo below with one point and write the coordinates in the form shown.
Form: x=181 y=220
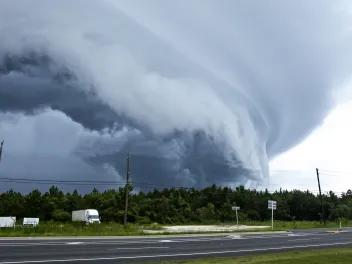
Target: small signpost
x=236 y=208
x=272 y=206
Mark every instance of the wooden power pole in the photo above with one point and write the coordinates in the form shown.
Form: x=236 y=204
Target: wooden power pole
x=127 y=190
x=1 y=146
x=321 y=198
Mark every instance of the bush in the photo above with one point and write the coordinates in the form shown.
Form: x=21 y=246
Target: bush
x=61 y=215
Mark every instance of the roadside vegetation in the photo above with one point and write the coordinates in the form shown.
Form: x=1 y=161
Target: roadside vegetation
x=339 y=255
x=211 y=205
x=158 y=208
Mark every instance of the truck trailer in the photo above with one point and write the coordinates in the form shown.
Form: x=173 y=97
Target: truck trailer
x=7 y=221
x=89 y=216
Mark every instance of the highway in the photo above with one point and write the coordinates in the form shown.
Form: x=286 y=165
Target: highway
x=153 y=249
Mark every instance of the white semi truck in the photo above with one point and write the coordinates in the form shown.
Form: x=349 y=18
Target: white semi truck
x=89 y=216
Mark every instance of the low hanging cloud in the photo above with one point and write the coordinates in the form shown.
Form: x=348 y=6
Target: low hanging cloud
x=198 y=92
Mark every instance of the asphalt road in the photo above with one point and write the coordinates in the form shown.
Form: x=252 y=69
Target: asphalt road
x=154 y=249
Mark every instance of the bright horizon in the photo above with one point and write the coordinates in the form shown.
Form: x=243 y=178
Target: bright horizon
x=328 y=148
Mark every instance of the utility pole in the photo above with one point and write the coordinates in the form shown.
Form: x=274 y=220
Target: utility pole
x=321 y=198
x=1 y=146
x=127 y=190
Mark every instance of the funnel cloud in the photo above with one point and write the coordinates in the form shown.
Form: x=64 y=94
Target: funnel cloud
x=199 y=92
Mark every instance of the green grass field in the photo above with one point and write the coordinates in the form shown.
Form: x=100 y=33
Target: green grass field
x=74 y=229
x=331 y=256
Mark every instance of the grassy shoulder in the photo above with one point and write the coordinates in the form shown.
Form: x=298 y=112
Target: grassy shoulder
x=278 y=225
x=339 y=255
x=114 y=229
x=72 y=229
x=288 y=224
x=302 y=224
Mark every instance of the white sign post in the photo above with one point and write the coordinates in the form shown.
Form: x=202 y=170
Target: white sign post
x=272 y=206
x=236 y=208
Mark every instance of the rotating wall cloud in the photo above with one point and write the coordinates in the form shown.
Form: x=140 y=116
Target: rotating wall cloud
x=198 y=92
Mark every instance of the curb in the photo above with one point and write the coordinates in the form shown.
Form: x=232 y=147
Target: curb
x=336 y=231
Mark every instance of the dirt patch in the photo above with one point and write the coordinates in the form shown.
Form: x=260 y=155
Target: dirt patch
x=206 y=228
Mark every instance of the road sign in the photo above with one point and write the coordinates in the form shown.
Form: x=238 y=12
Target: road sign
x=236 y=208
x=272 y=204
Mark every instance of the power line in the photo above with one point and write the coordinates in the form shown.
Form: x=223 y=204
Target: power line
x=334 y=173
x=143 y=185
x=70 y=182
x=57 y=181
x=78 y=182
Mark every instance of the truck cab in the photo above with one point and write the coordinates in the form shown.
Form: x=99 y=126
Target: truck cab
x=92 y=216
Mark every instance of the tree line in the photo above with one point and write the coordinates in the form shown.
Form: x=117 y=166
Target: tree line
x=177 y=206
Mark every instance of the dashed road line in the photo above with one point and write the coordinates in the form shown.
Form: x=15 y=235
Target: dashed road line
x=137 y=248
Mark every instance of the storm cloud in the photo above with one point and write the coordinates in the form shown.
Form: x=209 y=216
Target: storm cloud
x=199 y=92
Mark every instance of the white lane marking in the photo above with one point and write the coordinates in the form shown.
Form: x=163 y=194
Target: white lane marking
x=235 y=237
x=200 y=240
x=175 y=255
x=152 y=241
x=119 y=242
x=137 y=248
x=100 y=238
x=29 y=244
x=304 y=239
x=276 y=236
x=124 y=238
